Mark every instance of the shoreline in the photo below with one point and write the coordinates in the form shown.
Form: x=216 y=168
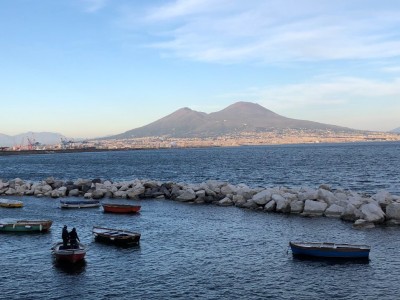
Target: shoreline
x=92 y=149
x=365 y=211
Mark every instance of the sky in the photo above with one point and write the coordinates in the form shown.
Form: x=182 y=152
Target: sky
x=92 y=68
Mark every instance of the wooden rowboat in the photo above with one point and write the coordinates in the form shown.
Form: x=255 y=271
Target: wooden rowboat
x=69 y=254
x=11 y=203
x=11 y=225
x=79 y=203
x=120 y=208
x=116 y=236
x=329 y=250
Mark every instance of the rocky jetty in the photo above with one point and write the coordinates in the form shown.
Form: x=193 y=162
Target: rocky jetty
x=363 y=210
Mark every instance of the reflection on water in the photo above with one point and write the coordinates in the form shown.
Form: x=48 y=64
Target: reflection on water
x=330 y=260
x=69 y=268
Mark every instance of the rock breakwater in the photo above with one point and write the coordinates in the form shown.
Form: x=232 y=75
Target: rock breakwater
x=363 y=210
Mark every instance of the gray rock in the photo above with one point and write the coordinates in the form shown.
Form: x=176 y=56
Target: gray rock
x=363 y=224
x=270 y=206
x=314 y=208
x=334 y=211
x=186 y=195
x=296 y=207
x=372 y=212
x=393 y=211
x=225 y=202
x=262 y=197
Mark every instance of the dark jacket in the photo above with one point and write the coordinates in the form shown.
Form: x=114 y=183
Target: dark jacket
x=73 y=236
x=65 y=234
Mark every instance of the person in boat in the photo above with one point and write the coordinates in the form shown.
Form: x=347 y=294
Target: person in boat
x=65 y=236
x=73 y=238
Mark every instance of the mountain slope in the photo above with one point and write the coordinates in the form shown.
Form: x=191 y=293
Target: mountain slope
x=238 y=117
x=396 y=130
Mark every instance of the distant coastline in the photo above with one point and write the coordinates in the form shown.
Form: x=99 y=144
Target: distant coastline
x=94 y=149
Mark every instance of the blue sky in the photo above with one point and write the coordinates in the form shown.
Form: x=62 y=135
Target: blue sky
x=89 y=68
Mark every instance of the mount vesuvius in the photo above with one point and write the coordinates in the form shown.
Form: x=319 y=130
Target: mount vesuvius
x=236 y=118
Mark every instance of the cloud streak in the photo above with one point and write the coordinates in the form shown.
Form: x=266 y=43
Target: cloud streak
x=331 y=93
x=275 y=31
x=92 y=6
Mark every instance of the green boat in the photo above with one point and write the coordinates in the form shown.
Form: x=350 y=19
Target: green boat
x=11 y=225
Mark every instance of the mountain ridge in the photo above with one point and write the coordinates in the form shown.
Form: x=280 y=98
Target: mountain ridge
x=238 y=117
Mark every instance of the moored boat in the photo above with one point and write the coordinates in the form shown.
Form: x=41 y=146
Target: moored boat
x=120 y=208
x=69 y=254
x=11 y=203
x=329 y=250
x=116 y=236
x=79 y=203
x=12 y=225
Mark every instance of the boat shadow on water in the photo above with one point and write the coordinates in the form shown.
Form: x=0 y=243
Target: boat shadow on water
x=330 y=260
x=68 y=268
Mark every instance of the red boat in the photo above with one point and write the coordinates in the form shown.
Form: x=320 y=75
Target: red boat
x=69 y=254
x=120 y=208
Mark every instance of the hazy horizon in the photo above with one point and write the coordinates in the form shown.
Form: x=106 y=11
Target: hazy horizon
x=94 y=68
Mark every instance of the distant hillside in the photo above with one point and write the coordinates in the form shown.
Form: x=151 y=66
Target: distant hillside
x=44 y=138
x=238 y=117
x=396 y=130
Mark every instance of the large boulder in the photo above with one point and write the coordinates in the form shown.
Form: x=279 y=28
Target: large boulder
x=73 y=193
x=228 y=189
x=186 y=195
x=363 y=224
x=307 y=194
x=262 y=197
x=282 y=204
x=296 y=207
x=225 y=202
x=250 y=205
x=384 y=198
x=372 y=212
x=334 y=211
x=393 y=211
x=270 y=206
x=351 y=213
x=314 y=208
x=327 y=196
x=98 y=193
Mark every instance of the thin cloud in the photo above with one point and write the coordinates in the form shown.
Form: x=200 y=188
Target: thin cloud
x=338 y=91
x=275 y=31
x=92 y=6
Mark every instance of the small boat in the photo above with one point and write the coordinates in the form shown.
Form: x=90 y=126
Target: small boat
x=69 y=254
x=120 y=208
x=11 y=225
x=329 y=250
x=116 y=236
x=11 y=203
x=79 y=203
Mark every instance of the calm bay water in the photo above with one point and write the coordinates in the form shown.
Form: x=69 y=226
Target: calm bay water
x=202 y=251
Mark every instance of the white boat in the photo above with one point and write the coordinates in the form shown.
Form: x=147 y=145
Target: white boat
x=10 y=203
x=79 y=203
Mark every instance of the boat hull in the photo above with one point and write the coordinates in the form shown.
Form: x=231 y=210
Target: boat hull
x=116 y=236
x=121 y=209
x=79 y=204
x=26 y=226
x=328 y=250
x=11 y=203
x=69 y=255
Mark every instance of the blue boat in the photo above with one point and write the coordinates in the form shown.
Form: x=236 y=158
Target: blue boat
x=79 y=203
x=329 y=250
